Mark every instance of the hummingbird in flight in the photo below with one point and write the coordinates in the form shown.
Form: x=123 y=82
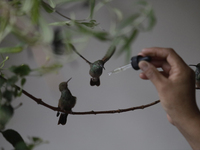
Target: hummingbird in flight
x=57 y=43
x=197 y=75
x=66 y=102
x=96 y=68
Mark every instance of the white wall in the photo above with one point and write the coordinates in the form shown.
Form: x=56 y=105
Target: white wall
x=177 y=27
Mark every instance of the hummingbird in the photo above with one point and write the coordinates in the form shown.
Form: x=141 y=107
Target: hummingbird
x=197 y=75
x=57 y=43
x=66 y=102
x=96 y=68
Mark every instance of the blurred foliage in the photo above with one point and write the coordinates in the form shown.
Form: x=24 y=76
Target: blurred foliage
x=14 y=138
x=26 y=20
x=124 y=30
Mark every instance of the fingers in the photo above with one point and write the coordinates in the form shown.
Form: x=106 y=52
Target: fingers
x=144 y=77
x=151 y=73
x=161 y=64
x=166 y=54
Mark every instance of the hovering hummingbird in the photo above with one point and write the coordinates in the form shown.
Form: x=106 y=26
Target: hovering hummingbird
x=66 y=102
x=197 y=75
x=96 y=68
x=57 y=43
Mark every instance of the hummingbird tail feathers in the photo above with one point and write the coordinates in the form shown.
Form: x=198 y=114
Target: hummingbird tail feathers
x=63 y=119
x=95 y=82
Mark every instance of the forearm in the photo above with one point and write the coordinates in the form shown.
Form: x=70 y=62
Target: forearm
x=190 y=129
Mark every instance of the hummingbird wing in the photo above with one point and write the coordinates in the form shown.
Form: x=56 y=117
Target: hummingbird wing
x=74 y=49
x=109 y=54
x=73 y=101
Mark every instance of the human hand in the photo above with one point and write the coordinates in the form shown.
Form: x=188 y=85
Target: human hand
x=175 y=83
x=176 y=88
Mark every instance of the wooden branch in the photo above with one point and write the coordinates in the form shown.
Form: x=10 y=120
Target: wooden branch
x=114 y=111
x=39 y=101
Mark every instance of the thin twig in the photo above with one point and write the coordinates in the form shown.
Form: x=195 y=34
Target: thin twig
x=60 y=13
x=39 y=101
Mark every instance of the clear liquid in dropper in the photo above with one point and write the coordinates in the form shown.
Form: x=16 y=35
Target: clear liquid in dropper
x=117 y=70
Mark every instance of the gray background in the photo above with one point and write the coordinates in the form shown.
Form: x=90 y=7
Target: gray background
x=177 y=27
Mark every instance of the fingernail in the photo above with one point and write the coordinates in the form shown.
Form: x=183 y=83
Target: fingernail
x=143 y=65
x=145 y=49
x=140 y=54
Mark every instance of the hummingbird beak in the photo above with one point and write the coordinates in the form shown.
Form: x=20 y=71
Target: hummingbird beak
x=68 y=81
x=193 y=65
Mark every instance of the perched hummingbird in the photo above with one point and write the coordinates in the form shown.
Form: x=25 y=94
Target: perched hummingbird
x=96 y=68
x=66 y=102
x=197 y=75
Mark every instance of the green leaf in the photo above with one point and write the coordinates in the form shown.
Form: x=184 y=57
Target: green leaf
x=92 y=6
x=19 y=92
x=30 y=146
x=90 y=24
x=52 y=4
x=147 y=18
x=3 y=62
x=12 y=80
x=23 y=81
x=16 y=3
x=22 y=70
x=128 y=21
x=61 y=23
x=35 y=11
x=8 y=94
x=141 y=2
x=1 y=97
x=46 y=32
x=15 y=92
x=47 y=7
x=2 y=81
x=36 y=139
x=6 y=31
x=151 y=20
x=101 y=35
x=4 y=21
x=48 y=69
x=118 y=13
x=6 y=112
x=27 y=6
x=14 y=138
x=15 y=49
x=128 y=41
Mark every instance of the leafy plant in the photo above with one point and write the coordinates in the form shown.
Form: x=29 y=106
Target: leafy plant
x=14 y=138
x=25 y=20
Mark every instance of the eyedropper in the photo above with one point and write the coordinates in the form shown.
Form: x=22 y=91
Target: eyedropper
x=134 y=64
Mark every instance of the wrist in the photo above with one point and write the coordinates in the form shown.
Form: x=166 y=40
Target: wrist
x=182 y=116
x=189 y=127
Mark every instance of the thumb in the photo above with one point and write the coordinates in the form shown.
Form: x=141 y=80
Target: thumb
x=152 y=73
